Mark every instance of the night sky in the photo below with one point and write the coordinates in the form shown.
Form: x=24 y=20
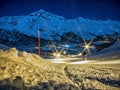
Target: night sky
x=93 y=9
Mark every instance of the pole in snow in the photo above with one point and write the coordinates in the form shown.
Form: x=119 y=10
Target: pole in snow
x=38 y=42
x=86 y=57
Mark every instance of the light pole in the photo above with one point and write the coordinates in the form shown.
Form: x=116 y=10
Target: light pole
x=38 y=42
x=86 y=49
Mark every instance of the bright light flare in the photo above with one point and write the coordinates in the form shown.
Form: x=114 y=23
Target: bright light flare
x=87 y=46
x=57 y=55
x=54 y=54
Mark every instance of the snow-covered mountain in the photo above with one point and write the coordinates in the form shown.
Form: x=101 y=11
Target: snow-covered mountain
x=50 y=24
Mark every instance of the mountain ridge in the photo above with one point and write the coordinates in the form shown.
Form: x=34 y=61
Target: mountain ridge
x=49 y=24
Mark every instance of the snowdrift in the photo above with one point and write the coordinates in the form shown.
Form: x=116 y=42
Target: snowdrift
x=25 y=71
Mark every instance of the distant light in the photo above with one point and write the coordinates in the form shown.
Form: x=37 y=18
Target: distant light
x=54 y=54
x=36 y=47
x=64 y=52
x=87 y=46
x=69 y=55
x=67 y=46
x=58 y=55
x=80 y=54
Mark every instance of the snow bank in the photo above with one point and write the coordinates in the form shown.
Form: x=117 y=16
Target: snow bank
x=25 y=71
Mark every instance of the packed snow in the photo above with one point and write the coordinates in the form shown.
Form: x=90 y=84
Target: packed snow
x=26 y=71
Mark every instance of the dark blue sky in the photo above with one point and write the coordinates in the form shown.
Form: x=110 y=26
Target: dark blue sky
x=93 y=9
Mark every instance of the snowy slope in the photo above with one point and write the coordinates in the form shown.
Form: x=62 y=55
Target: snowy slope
x=112 y=52
x=4 y=47
x=49 y=24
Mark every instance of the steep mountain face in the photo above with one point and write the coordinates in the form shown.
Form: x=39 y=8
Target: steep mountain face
x=18 y=40
x=50 y=24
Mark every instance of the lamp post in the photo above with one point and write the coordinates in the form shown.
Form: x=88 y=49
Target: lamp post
x=38 y=42
x=87 y=47
x=86 y=51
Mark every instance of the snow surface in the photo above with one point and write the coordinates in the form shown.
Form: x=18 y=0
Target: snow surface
x=4 y=47
x=112 y=52
x=26 y=71
x=49 y=24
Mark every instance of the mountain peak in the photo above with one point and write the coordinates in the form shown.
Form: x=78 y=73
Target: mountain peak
x=41 y=11
x=51 y=24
